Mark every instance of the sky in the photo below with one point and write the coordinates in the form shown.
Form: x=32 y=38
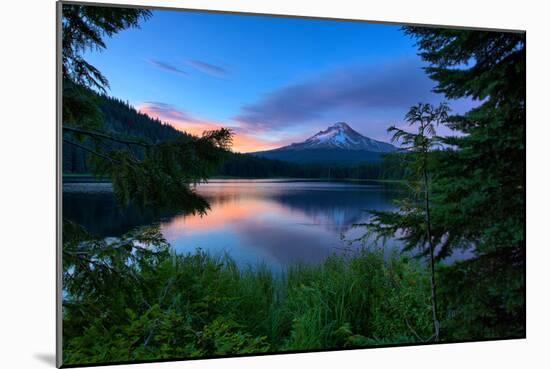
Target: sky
x=272 y=80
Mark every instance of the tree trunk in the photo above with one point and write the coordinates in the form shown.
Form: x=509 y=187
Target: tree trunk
x=432 y=263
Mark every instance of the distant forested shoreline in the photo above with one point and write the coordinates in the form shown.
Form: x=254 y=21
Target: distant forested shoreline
x=122 y=119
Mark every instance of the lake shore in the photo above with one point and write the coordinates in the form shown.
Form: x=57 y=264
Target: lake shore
x=90 y=178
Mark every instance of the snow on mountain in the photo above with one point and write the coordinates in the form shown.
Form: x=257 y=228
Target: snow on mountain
x=340 y=136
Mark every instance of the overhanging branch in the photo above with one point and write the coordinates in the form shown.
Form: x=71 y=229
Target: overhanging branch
x=93 y=152
x=105 y=136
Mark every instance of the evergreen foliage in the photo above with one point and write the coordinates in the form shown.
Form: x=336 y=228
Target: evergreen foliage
x=251 y=166
x=122 y=121
x=157 y=172
x=477 y=184
x=119 y=120
x=481 y=183
x=84 y=28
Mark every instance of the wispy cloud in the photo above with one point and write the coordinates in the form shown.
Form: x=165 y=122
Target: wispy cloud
x=178 y=118
x=208 y=68
x=359 y=87
x=166 y=66
x=165 y=112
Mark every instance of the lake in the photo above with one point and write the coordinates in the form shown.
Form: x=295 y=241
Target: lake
x=276 y=222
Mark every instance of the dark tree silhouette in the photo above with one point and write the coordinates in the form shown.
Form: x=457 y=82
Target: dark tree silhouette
x=412 y=221
x=154 y=173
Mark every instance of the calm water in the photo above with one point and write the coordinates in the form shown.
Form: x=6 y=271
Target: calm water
x=274 y=222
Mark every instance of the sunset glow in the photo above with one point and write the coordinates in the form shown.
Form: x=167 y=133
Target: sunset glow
x=242 y=142
x=268 y=102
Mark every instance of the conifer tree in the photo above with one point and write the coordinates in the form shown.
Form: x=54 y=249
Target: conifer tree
x=412 y=221
x=154 y=173
x=477 y=183
x=479 y=187
x=481 y=182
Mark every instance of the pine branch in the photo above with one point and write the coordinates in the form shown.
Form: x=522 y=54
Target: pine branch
x=105 y=136
x=93 y=152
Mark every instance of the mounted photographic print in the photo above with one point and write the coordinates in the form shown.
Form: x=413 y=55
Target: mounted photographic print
x=242 y=184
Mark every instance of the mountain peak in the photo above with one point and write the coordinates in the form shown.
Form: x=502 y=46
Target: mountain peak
x=342 y=125
x=341 y=136
x=339 y=143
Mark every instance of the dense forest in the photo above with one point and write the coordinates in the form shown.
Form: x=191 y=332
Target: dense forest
x=250 y=166
x=123 y=121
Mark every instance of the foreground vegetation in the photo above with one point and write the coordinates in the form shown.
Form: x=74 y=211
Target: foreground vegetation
x=133 y=299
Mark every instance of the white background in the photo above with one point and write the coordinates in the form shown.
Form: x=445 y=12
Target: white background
x=27 y=192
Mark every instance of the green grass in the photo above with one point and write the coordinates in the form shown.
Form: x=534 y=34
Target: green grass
x=197 y=305
x=132 y=298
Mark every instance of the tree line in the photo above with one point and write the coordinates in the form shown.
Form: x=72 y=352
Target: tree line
x=122 y=122
x=152 y=173
x=119 y=119
x=249 y=166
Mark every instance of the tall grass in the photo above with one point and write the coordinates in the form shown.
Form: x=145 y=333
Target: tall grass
x=198 y=304
x=358 y=300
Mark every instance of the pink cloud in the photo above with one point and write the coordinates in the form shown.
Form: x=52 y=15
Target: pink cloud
x=243 y=141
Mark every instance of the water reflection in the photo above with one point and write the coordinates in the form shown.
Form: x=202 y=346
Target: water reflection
x=93 y=206
x=274 y=222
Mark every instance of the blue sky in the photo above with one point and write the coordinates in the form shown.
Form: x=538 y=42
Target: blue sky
x=273 y=80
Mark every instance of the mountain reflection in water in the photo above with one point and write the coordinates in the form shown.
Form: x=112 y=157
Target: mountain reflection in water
x=255 y=221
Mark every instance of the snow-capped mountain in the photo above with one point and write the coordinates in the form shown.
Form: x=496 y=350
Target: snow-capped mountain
x=338 y=143
x=340 y=136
